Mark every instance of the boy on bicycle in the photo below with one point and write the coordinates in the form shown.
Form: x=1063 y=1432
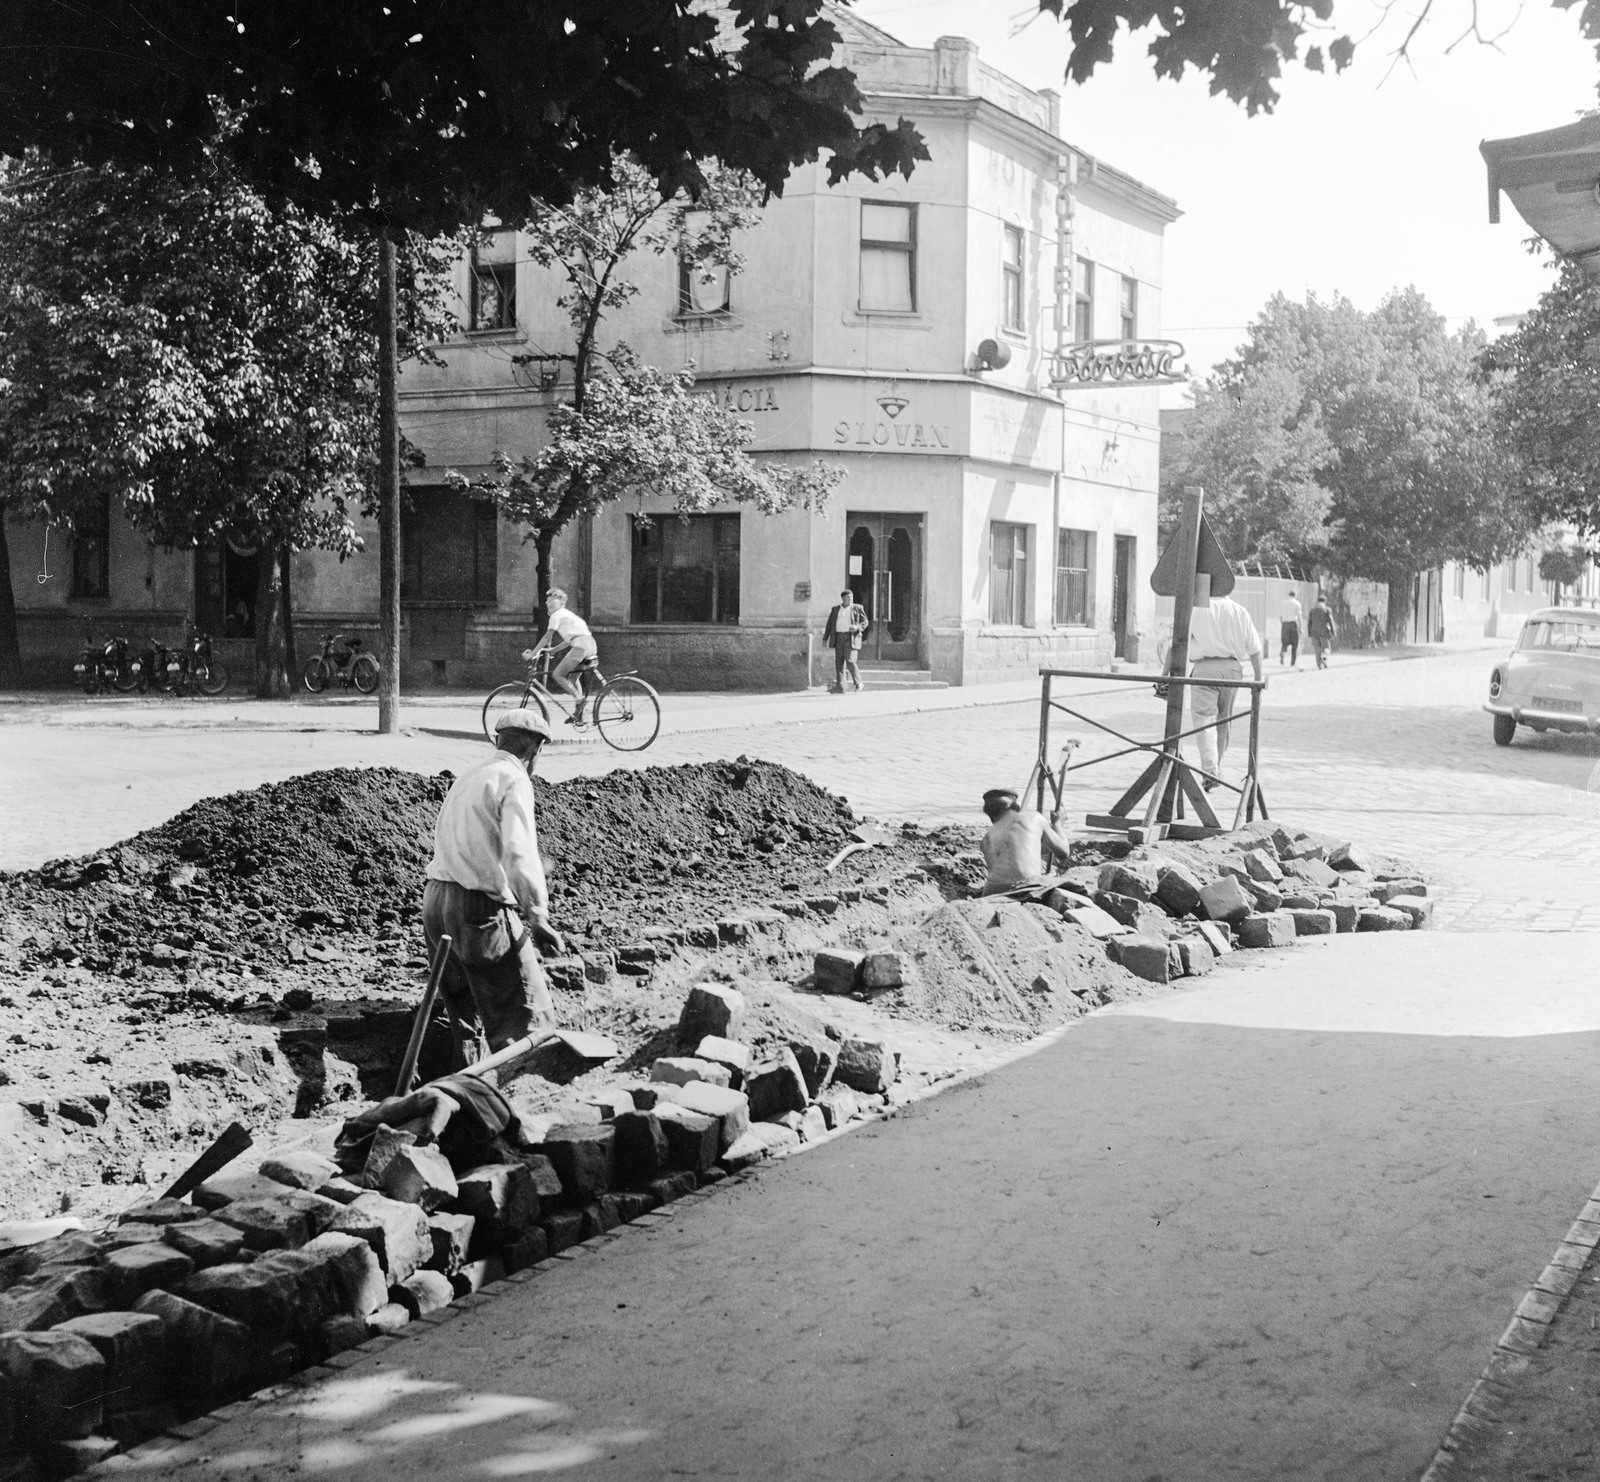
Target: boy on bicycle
x=568 y=635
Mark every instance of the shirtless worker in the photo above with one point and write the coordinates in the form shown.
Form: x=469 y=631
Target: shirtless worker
x=486 y=891
x=1014 y=846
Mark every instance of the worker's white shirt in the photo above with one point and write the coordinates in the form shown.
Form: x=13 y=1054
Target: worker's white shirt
x=1291 y=611
x=567 y=625
x=485 y=837
x=1223 y=630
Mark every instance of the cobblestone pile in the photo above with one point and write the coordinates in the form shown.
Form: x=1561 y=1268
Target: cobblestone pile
x=1169 y=910
x=110 y=1336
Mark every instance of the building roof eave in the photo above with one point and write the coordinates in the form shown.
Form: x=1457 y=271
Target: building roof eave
x=1553 y=179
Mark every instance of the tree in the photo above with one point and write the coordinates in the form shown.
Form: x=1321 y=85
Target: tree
x=1256 y=449
x=594 y=456
x=643 y=431
x=1564 y=564
x=1417 y=477
x=1245 y=45
x=199 y=359
x=426 y=116
x=1543 y=380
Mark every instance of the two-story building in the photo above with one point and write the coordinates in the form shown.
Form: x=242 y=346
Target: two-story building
x=988 y=522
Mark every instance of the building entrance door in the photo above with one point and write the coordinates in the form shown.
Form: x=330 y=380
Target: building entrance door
x=884 y=561
x=1122 y=595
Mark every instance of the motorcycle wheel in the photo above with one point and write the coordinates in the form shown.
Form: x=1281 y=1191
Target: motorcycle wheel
x=91 y=682
x=126 y=680
x=212 y=677
x=364 y=673
x=315 y=675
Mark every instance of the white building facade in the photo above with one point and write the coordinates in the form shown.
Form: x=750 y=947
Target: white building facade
x=989 y=523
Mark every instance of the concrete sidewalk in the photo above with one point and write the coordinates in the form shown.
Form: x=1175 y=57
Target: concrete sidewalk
x=1266 y=1229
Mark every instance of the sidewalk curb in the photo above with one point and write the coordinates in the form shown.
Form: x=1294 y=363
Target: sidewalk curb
x=1486 y=1401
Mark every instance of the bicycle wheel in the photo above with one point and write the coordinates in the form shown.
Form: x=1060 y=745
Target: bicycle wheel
x=518 y=695
x=627 y=713
x=211 y=676
x=315 y=675
x=364 y=673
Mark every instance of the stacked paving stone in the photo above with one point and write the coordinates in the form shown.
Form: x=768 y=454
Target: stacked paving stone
x=108 y=1337
x=1163 y=918
x=761 y=1108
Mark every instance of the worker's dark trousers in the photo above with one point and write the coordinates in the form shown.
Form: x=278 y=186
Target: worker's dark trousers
x=493 y=975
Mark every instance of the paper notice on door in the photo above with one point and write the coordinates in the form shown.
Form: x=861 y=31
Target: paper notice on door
x=855 y=566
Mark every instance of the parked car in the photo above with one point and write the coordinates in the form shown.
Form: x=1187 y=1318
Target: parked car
x=1551 y=681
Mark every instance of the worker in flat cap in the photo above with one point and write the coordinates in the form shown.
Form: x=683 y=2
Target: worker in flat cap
x=1014 y=846
x=486 y=891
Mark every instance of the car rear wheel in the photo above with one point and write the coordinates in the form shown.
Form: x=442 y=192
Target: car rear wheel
x=1505 y=727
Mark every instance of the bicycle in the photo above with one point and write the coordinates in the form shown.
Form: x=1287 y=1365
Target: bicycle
x=347 y=664
x=626 y=710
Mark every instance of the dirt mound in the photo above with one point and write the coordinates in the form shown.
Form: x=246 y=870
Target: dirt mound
x=344 y=850
x=1004 y=968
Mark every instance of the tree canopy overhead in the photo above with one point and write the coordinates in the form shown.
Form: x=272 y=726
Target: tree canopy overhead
x=425 y=114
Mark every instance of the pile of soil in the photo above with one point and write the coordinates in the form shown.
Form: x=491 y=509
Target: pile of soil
x=345 y=850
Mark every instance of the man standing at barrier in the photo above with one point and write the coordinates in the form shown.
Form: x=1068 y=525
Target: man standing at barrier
x=1222 y=637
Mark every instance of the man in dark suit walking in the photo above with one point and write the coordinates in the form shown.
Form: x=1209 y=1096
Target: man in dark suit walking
x=847 y=626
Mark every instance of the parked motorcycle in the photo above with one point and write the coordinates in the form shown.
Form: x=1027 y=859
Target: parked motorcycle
x=341 y=658
x=96 y=668
x=160 y=666
x=200 y=670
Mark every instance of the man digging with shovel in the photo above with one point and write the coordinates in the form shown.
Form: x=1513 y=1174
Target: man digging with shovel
x=485 y=871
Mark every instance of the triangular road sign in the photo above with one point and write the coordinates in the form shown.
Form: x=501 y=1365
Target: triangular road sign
x=1210 y=559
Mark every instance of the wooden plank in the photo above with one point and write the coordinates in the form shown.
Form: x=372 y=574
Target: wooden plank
x=1202 y=804
x=1124 y=805
x=1194 y=831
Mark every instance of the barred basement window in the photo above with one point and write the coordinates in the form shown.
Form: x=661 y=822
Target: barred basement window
x=686 y=570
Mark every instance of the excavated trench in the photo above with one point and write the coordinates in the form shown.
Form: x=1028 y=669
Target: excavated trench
x=258 y=957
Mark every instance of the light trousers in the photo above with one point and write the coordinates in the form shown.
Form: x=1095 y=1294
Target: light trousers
x=1207 y=705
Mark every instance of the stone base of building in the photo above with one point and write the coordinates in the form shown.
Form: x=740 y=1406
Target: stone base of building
x=962 y=656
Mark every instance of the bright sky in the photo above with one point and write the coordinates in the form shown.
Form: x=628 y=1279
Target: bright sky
x=1356 y=184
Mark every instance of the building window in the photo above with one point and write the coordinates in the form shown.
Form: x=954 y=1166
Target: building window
x=1130 y=308
x=494 y=282
x=1083 y=302
x=1074 y=562
x=1488 y=576
x=1530 y=563
x=686 y=570
x=1461 y=579
x=703 y=287
x=91 y=549
x=888 y=257
x=1008 y=574
x=449 y=546
x=1011 y=287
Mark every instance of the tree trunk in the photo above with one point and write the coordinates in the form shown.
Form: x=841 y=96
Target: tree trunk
x=1401 y=594
x=10 y=644
x=542 y=545
x=388 y=495
x=291 y=658
x=272 y=674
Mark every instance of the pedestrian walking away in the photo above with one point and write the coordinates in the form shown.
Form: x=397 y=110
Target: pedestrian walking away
x=1014 y=846
x=569 y=636
x=1320 y=629
x=846 y=628
x=486 y=891
x=1224 y=638
x=1290 y=616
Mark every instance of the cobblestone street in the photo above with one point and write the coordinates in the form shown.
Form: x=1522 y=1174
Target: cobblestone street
x=1394 y=752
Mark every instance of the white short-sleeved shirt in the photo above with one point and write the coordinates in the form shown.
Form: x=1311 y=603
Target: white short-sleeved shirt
x=568 y=625
x=485 y=838
x=1291 y=611
x=1222 y=630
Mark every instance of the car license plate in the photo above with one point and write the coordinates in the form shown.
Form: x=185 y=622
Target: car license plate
x=1552 y=702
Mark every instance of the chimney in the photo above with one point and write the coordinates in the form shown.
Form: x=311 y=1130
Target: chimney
x=956 y=66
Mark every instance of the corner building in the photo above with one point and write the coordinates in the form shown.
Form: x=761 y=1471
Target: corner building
x=988 y=524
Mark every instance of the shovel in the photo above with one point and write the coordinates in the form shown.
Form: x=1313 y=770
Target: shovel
x=862 y=836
